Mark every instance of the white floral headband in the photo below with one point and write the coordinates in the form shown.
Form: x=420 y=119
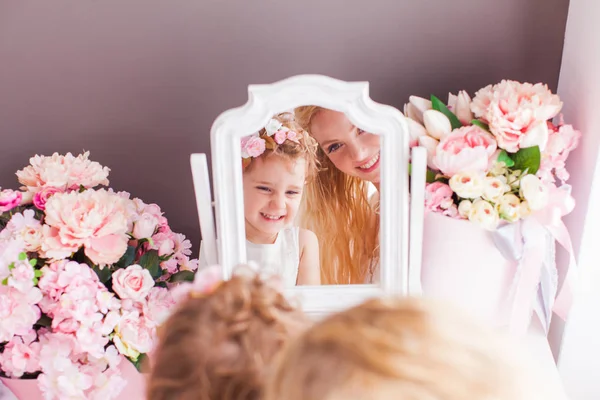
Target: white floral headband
x=276 y=134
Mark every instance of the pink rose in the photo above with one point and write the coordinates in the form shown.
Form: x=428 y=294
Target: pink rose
x=93 y=219
x=465 y=149
x=159 y=305
x=9 y=199
x=280 y=137
x=133 y=282
x=438 y=198
x=517 y=113
x=293 y=136
x=41 y=197
x=145 y=226
x=254 y=146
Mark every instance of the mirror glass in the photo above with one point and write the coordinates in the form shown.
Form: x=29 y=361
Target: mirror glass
x=311 y=198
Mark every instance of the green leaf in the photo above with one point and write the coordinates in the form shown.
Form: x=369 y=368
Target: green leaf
x=33 y=262
x=104 y=274
x=151 y=261
x=22 y=256
x=439 y=105
x=527 y=159
x=11 y=266
x=481 y=124
x=5 y=281
x=127 y=259
x=44 y=320
x=182 y=276
x=505 y=158
x=37 y=273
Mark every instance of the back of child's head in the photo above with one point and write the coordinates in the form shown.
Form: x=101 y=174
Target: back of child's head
x=399 y=349
x=282 y=137
x=217 y=345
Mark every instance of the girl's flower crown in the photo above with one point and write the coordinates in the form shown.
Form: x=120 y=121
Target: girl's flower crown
x=273 y=135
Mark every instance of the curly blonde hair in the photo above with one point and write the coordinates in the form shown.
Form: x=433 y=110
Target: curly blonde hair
x=217 y=347
x=336 y=208
x=401 y=349
x=305 y=148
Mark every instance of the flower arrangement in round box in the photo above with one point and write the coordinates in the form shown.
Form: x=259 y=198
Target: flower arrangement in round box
x=85 y=274
x=495 y=196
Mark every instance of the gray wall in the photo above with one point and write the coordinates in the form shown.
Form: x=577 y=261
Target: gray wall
x=139 y=82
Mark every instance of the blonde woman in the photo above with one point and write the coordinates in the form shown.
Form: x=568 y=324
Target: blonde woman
x=407 y=349
x=336 y=205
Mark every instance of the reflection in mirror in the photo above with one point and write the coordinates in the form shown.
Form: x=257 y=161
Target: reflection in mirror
x=341 y=205
x=311 y=201
x=277 y=163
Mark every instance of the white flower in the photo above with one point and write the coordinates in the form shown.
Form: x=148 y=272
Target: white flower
x=436 y=123
x=468 y=185
x=534 y=191
x=464 y=208
x=524 y=209
x=273 y=126
x=509 y=207
x=430 y=145
x=415 y=108
x=484 y=214
x=494 y=188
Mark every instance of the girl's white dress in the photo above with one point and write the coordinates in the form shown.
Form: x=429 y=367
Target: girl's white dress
x=281 y=257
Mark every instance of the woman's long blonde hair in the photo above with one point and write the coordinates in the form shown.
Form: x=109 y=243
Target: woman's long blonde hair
x=336 y=208
x=410 y=349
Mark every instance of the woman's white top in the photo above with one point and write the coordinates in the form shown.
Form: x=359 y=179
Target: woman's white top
x=281 y=258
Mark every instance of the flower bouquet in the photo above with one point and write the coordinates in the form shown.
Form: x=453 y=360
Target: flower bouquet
x=85 y=275
x=498 y=161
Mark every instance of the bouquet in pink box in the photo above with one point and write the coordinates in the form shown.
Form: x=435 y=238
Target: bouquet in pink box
x=496 y=164
x=496 y=158
x=85 y=275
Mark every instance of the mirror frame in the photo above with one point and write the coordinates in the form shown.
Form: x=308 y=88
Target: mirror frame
x=351 y=98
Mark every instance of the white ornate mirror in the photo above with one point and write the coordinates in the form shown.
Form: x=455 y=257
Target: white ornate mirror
x=350 y=100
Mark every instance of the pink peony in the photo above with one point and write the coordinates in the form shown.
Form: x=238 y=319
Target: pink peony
x=517 y=113
x=253 y=146
x=93 y=219
x=438 y=198
x=9 y=199
x=41 y=197
x=133 y=282
x=465 y=149
x=63 y=172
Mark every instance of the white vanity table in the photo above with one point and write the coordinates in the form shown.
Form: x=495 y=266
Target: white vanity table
x=401 y=233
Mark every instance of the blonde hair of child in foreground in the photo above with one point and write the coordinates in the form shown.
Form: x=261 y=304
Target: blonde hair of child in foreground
x=408 y=349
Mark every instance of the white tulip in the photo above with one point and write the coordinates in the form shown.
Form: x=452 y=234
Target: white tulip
x=463 y=108
x=415 y=108
x=437 y=124
x=536 y=135
x=415 y=129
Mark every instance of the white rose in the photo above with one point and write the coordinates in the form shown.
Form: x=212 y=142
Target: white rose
x=534 y=191
x=524 y=209
x=133 y=282
x=273 y=126
x=493 y=188
x=32 y=236
x=145 y=226
x=484 y=214
x=509 y=207
x=468 y=185
x=464 y=208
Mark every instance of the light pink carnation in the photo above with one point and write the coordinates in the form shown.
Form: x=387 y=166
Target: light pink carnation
x=561 y=141
x=517 y=113
x=41 y=197
x=438 y=198
x=9 y=199
x=63 y=172
x=19 y=357
x=465 y=149
x=93 y=219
